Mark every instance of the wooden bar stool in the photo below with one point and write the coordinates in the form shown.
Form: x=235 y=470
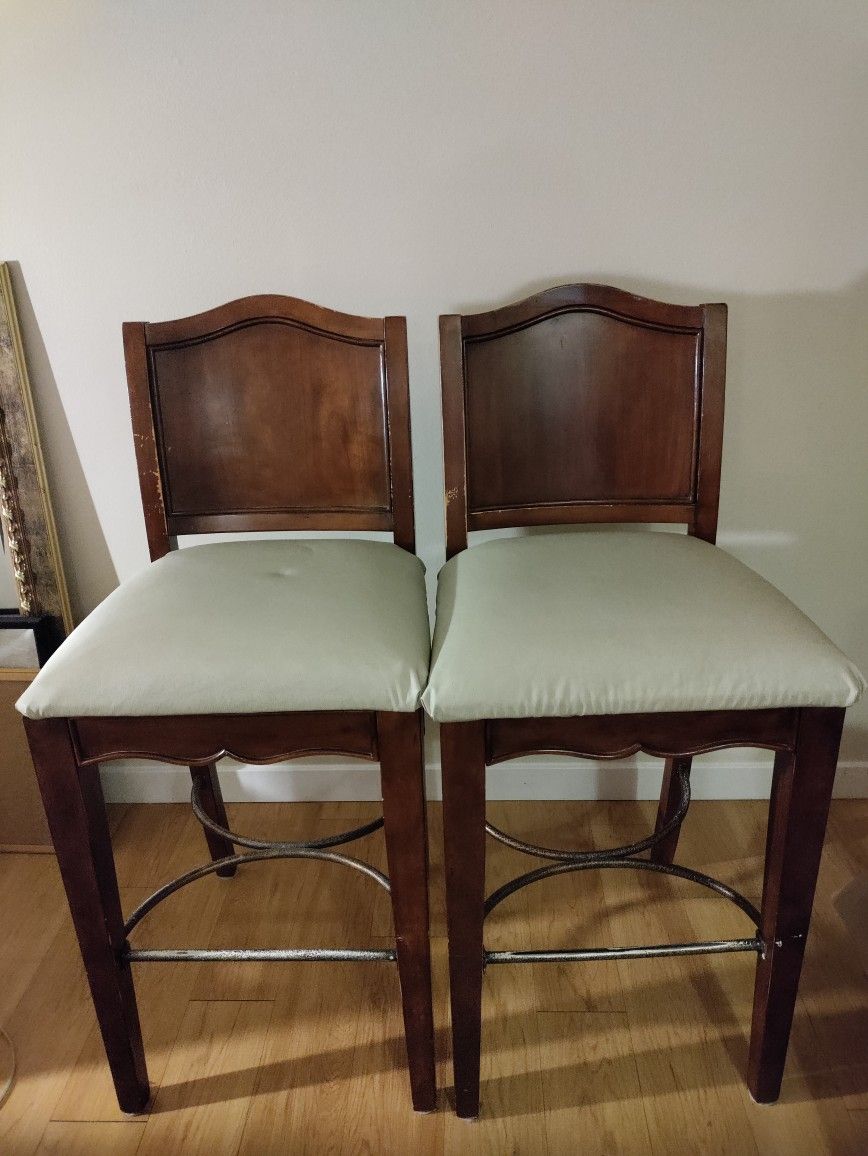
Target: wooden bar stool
x=268 y=414
x=585 y=404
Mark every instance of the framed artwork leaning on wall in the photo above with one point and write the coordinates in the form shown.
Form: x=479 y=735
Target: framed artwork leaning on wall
x=35 y=614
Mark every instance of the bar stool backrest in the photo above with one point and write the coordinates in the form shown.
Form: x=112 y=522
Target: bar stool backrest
x=270 y=413
x=583 y=404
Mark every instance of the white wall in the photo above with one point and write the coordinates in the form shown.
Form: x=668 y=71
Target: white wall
x=396 y=156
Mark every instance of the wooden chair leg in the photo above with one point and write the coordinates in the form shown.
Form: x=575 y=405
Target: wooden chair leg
x=399 y=740
x=75 y=809
x=463 y=761
x=670 y=797
x=799 y=807
x=211 y=798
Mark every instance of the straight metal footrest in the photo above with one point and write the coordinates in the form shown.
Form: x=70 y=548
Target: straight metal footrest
x=260 y=955
x=651 y=951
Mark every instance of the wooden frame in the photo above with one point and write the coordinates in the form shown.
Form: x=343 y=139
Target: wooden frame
x=703 y=327
x=331 y=334
x=584 y=405
x=276 y=346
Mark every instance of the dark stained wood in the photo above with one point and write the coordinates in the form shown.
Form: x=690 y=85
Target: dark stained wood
x=575 y=514
x=454 y=446
x=204 y=325
x=270 y=413
x=582 y=404
x=670 y=797
x=463 y=757
x=586 y=404
x=211 y=798
x=398 y=415
x=563 y=298
x=566 y=409
x=310 y=406
x=799 y=808
x=198 y=740
x=704 y=524
x=402 y=764
x=144 y=439
x=265 y=414
x=77 y=819
x=618 y=736
x=280 y=521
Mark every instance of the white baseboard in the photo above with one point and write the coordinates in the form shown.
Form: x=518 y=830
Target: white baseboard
x=314 y=780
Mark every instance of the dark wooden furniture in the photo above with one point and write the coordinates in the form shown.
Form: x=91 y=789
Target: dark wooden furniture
x=268 y=413
x=586 y=404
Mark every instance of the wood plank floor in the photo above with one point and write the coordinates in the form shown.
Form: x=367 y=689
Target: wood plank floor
x=630 y=1057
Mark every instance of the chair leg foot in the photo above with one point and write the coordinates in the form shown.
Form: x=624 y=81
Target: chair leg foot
x=414 y=971
x=799 y=807
x=75 y=809
x=211 y=797
x=670 y=797
x=463 y=746
x=399 y=740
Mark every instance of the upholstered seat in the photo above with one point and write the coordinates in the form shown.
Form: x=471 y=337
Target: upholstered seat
x=619 y=622
x=249 y=627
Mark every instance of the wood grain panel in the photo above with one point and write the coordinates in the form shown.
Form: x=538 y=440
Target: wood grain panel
x=270 y=413
x=282 y=389
x=582 y=404
x=581 y=407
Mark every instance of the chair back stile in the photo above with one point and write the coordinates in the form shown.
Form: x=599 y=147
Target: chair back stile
x=270 y=413
x=583 y=404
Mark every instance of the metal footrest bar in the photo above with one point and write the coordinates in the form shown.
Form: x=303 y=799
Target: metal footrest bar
x=265 y=844
x=256 y=955
x=593 y=857
x=651 y=951
x=278 y=851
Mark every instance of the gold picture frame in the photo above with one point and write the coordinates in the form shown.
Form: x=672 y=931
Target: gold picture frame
x=26 y=516
x=29 y=538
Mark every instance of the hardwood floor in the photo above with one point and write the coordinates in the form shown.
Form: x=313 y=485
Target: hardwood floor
x=631 y=1057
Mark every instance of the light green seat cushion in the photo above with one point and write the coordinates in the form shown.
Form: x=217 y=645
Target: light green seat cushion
x=244 y=627
x=617 y=622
